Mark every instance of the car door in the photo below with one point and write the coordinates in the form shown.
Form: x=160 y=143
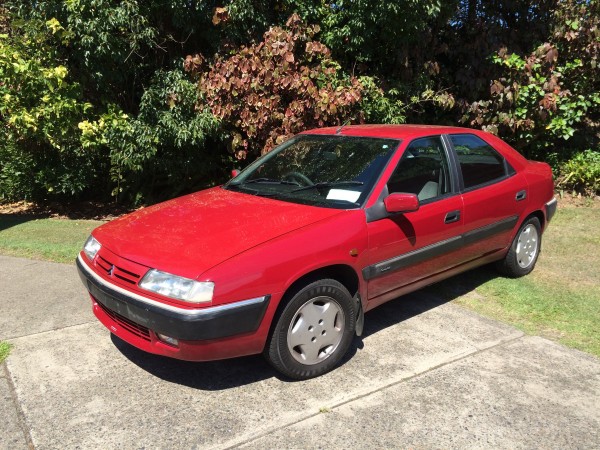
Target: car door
x=494 y=195
x=407 y=247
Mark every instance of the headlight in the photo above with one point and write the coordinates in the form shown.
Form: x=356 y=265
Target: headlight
x=91 y=247
x=177 y=287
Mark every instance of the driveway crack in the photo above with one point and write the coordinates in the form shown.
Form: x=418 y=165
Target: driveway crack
x=361 y=395
x=17 y=407
x=52 y=330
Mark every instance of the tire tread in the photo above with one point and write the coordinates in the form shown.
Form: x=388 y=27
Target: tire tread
x=276 y=351
x=509 y=266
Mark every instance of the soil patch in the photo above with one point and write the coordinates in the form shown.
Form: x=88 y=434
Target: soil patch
x=578 y=201
x=79 y=210
x=109 y=211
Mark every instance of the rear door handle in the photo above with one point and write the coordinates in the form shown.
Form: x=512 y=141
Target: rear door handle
x=521 y=195
x=452 y=216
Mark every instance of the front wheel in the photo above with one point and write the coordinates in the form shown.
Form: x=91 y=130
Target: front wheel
x=524 y=251
x=313 y=331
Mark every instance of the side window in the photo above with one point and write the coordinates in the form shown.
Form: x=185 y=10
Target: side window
x=423 y=170
x=479 y=162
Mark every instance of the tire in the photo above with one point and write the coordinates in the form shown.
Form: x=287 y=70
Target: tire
x=313 y=331
x=524 y=250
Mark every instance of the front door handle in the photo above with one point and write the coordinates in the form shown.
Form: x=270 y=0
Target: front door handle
x=452 y=216
x=521 y=195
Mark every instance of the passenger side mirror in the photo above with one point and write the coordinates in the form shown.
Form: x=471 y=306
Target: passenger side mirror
x=400 y=202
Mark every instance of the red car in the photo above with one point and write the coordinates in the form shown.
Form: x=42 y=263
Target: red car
x=286 y=257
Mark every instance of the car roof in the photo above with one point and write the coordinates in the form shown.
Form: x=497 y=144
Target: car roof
x=391 y=131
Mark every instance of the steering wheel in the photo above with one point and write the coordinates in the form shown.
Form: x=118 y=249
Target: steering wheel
x=299 y=178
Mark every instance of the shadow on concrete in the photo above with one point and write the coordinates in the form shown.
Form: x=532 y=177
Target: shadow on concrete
x=230 y=373
x=209 y=376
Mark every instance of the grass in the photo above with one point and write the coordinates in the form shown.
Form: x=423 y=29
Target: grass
x=4 y=350
x=57 y=240
x=559 y=300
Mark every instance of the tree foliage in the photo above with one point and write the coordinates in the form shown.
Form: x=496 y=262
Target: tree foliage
x=155 y=155
x=551 y=94
x=41 y=105
x=138 y=101
x=95 y=108
x=267 y=92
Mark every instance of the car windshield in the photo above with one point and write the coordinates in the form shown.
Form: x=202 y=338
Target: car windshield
x=330 y=171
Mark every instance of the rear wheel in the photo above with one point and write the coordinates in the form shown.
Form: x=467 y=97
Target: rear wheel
x=313 y=331
x=524 y=251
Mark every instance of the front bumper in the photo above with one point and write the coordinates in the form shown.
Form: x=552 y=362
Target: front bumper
x=208 y=323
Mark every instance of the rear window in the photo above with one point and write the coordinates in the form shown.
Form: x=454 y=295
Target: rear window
x=479 y=162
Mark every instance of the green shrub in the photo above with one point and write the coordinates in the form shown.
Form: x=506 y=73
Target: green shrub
x=582 y=173
x=37 y=173
x=165 y=150
x=16 y=171
x=378 y=106
x=41 y=105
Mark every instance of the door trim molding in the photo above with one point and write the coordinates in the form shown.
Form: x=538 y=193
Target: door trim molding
x=437 y=249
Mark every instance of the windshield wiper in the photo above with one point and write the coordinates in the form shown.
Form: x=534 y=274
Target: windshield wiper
x=265 y=181
x=328 y=185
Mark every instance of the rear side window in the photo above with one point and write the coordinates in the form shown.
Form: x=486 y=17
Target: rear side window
x=479 y=162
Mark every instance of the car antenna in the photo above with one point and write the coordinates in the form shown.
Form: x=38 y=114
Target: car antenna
x=339 y=130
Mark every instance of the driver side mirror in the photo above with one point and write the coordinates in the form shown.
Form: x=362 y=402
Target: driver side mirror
x=400 y=202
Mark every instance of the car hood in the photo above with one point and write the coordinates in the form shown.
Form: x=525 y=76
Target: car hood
x=189 y=235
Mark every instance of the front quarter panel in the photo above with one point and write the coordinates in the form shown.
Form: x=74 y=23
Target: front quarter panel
x=272 y=267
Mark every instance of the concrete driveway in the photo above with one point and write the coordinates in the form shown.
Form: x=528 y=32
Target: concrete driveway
x=427 y=374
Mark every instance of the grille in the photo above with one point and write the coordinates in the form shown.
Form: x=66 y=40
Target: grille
x=135 y=328
x=112 y=270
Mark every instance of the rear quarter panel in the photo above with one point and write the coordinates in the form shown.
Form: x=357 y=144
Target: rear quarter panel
x=541 y=186
x=538 y=175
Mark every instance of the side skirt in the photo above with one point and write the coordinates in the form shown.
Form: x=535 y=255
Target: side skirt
x=391 y=295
